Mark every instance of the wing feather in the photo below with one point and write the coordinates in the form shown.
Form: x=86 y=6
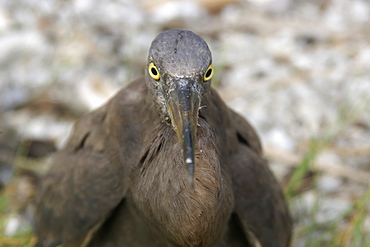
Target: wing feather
x=81 y=188
x=259 y=202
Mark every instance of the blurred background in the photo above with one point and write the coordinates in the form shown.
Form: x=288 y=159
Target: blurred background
x=299 y=71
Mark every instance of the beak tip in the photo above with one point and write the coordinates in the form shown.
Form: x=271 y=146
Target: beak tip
x=191 y=181
x=190 y=164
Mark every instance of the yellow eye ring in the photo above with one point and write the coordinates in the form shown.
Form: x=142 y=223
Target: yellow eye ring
x=209 y=73
x=153 y=71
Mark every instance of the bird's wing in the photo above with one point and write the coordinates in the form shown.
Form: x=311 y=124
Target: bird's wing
x=259 y=203
x=81 y=189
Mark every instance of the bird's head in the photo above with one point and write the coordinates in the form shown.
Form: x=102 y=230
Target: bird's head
x=178 y=74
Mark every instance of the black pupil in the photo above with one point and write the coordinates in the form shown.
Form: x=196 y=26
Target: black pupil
x=154 y=71
x=209 y=72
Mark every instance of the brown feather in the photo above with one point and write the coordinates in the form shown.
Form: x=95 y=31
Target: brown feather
x=122 y=181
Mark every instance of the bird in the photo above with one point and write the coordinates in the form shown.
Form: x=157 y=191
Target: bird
x=165 y=162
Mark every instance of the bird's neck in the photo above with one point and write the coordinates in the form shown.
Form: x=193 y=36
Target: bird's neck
x=187 y=216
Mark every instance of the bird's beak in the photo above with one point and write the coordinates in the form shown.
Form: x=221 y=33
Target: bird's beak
x=183 y=101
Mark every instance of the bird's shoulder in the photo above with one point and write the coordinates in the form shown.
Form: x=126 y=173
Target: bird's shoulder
x=92 y=130
x=236 y=128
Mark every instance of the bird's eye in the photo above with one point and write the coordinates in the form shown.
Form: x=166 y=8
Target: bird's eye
x=153 y=71
x=209 y=73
